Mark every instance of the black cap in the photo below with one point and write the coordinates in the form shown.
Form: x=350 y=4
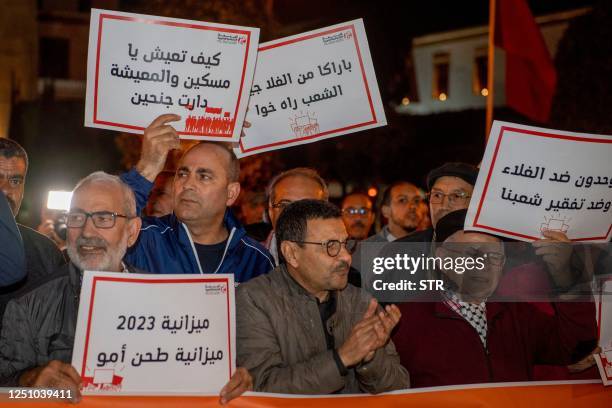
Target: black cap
x=464 y=171
x=449 y=224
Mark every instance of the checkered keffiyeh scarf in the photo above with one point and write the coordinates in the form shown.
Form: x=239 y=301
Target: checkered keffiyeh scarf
x=474 y=314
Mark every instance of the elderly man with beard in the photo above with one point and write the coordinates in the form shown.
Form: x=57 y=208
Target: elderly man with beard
x=38 y=329
x=302 y=329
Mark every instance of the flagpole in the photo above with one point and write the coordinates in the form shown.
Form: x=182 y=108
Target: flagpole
x=490 y=68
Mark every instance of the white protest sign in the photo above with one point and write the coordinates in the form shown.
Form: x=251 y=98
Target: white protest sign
x=310 y=87
x=140 y=67
x=533 y=179
x=155 y=334
x=604 y=364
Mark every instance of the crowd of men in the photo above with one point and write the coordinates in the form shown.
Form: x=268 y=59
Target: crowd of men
x=304 y=324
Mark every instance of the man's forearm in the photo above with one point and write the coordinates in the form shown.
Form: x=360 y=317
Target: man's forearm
x=140 y=185
x=384 y=372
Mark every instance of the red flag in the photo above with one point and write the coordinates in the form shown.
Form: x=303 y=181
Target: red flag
x=530 y=73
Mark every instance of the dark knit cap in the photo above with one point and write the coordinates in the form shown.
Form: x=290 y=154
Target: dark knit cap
x=449 y=224
x=464 y=171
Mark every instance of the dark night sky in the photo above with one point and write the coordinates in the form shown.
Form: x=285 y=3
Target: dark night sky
x=390 y=27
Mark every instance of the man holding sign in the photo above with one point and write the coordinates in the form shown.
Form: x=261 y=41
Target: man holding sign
x=50 y=310
x=202 y=235
x=39 y=328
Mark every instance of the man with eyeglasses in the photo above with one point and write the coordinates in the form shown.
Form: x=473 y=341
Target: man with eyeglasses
x=358 y=215
x=462 y=335
x=450 y=187
x=38 y=328
x=302 y=329
x=38 y=332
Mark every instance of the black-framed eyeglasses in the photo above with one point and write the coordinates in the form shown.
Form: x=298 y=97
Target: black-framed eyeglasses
x=333 y=246
x=101 y=219
x=436 y=197
x=490 y=257
x=356 y=211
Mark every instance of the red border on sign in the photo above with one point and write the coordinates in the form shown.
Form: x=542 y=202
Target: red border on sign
x=173 y=24
x=365 y=82
x=96 y=279
x=495 y=153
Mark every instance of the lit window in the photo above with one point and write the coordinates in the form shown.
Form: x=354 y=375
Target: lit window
x=441 y=64
x=479 y=73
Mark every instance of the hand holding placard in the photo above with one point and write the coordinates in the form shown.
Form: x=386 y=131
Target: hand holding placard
x=55 y=374
x=533 y=180
x=159 y=138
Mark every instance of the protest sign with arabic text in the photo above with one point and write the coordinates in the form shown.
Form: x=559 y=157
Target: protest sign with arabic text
x=534 y=179
x=155 y=334
x=312 y=86
x=141 y=66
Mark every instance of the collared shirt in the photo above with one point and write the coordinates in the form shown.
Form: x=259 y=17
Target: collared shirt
x=270 y=245
x=327 y=309
x=387 y=234
x=474 y=314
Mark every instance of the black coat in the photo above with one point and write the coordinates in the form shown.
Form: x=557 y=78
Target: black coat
x=42 y=258
x=39 y=326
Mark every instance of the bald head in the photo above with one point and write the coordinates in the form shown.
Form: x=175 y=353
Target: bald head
x=221 y=150
x=100 y=180
x=206 y=183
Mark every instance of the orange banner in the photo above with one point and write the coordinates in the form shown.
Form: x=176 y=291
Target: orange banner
x=557 y=395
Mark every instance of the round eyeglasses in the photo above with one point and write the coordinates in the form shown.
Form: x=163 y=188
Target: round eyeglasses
x=333 y=246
